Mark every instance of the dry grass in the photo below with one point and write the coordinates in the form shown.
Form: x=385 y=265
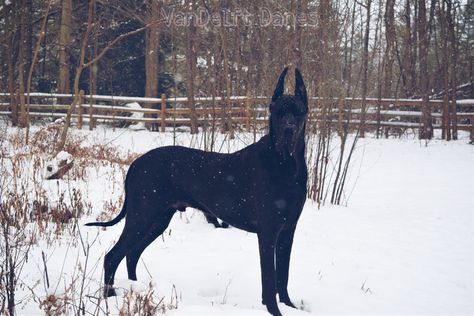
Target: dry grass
x=85 y=155
x=142 y=304
x=53 y=305
x=33 y=213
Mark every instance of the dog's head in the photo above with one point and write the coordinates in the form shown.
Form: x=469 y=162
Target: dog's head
x=288 y=115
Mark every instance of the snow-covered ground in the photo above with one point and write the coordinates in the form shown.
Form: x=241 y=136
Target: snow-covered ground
x=403 y=245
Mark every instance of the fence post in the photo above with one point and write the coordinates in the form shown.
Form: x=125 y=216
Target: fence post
x=378 y=116
x=15 y=100
x=80 y=108
x=471 y=132
x=248 y=102
x=445 y=119
x=340 y=116
x=91 y=113
x=163 y=112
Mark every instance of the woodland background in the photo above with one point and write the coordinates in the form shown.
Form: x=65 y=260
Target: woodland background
x=396 y=49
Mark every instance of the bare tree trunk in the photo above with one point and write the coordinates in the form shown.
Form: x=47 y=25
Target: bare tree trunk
x=152 y=49
x=93 y=52
x=218 y=76
x=300 y=35
x=238 y=43
x=325 y=90
x=211 y=83
x=365 y=68
x=64 y=46
x=426 y=131
x=389 y=18
x=414 y=48
x=28 y=13
x=450 y=17
x=257 y=57
x=22 y=61
x=228 y=126
x=12 y=57
x=93 y=73
x=291 y=36
x=446 y=117
x=381 y=63
x=32 y=66
x=406 y=54
x=11 y=88
x=351 y=50
x=191 y=69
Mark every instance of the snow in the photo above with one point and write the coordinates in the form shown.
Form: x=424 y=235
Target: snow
x=62 y=155
x=201 y=62
x=138 y=125
x=465 y=101
x=403 y=245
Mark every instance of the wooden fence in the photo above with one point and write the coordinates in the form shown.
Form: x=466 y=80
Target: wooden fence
x=244 y=112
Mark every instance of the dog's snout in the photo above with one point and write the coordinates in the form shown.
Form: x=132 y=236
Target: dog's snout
x=289 y=127
x=289 y=123
x=289 y=130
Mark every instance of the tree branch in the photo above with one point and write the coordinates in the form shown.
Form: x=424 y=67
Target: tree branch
x=32 y=66
x=118 y=39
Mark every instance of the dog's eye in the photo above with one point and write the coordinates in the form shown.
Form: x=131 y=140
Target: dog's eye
x=297 y=113
x=300 y=112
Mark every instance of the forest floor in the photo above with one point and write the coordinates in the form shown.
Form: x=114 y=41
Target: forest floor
x=403 y=244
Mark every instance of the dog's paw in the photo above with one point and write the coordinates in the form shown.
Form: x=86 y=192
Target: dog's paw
x=273 y=310
x=109 y=291
x=288 y=303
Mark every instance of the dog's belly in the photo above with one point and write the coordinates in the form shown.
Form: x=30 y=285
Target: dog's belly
x=225 y=203
x=224 y=185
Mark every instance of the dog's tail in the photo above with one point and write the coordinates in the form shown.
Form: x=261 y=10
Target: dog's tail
x=115 y=220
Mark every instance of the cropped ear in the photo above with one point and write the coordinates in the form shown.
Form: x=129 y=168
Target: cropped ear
x=300 y=89
x=280 y=85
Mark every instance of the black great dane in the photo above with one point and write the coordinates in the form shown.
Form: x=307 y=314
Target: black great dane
x=260 y=189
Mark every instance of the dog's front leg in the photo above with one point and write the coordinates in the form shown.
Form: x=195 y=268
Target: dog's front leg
x=266 y=245
x=283 y=252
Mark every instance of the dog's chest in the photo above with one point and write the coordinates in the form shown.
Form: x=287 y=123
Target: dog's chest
x=283 y=193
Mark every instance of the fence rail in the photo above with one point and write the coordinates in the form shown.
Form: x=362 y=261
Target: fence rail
x=244 y=111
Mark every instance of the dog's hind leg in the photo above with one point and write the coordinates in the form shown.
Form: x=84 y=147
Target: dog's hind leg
x=283 y=252
x=111 y=261
x=132 y=233
x=153 y=232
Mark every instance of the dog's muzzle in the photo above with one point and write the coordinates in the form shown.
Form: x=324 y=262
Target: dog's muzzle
x=289 y=129
x=289 y=134
x=289 y=137
x=288 y=124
